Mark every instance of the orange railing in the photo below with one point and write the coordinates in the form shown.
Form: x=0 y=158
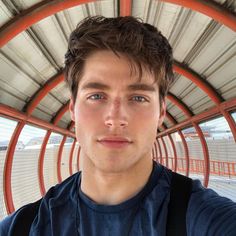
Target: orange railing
x=196 y=166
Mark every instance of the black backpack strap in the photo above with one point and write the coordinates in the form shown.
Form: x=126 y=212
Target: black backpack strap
x=181 y=188
x=24 y=218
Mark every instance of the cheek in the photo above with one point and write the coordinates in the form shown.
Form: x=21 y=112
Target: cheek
x=86 y=120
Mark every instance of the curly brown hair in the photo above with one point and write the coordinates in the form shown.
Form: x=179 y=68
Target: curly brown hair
x=143 y=45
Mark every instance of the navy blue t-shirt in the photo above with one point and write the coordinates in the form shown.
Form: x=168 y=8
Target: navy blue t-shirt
x=66 y=210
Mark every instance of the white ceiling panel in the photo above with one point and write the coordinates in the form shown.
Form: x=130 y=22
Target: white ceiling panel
x=180 y=117
x=167 y=17
x=228 y=55
x=51 y=35
x=66 y=118
x=10 y=100
x=13 y=77
x=216 y=46
x=140 y=8
x=5 y=14
x=189 y=35
x=230 y=92
x=41 y=115
x=193 y=97
x=49 y=104
x=75 y=15
x=174 y=111
x=168 y=123
x=180 y=86
x=224 y=75
x=62 y=92
x=30 y=57
x=24 y=4
x=109 y=7
x=62 y=124
x=63 y=17
x=202 y=105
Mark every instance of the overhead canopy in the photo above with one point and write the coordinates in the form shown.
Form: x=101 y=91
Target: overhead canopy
x=34 y=35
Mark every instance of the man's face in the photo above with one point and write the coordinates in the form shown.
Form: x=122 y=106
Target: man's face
x=116 y=115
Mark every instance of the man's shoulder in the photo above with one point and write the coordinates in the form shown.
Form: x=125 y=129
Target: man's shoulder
x=22 y=218
x=209 y=213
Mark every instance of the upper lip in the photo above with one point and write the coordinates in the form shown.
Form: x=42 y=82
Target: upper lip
x=114 y=139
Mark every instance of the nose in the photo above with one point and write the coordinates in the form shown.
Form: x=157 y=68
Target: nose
x=116 y=115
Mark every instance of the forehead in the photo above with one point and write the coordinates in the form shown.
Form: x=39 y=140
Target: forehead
x=108 y=67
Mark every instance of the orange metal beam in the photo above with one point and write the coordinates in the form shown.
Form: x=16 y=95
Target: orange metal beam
x=208 y=89
x=165 y=150
x=21 y=116
x=71 y=157
x=183 y=107
x=59 y=178
x=160 y=151
x=43 y=91
x=174 y=152
x=200 y=82
x=210 y=113
x=209 y=8
x=45 y=8
x=188 y=114
x=56 y=119
x=33 y=15
x=125 y=7
x=41 y=162
x=7 y=191
x=185 y=145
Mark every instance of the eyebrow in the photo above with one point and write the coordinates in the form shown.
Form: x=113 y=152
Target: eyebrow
x=132 y=87
x=142 y=87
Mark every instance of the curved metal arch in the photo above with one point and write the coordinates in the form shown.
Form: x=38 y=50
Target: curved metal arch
x=71 y=157
x=189 y=114
x=165 y=150
x=45 y=8
x=160 y=151
x=59 y=156
x=43 y=91
x=55 y=120
x=181 y=105
x=185 y=145
x=199 y=81
x=125 y=7
x=208 y=89
x=209 y=8
x=33 y=15
x=60 y=151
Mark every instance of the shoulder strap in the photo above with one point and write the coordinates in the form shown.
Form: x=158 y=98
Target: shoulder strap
x=181 y=188
x=24 y=218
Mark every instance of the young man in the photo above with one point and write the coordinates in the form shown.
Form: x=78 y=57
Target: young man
x=119 y=71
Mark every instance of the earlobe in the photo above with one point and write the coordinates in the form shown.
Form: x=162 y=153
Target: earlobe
x=71 y=108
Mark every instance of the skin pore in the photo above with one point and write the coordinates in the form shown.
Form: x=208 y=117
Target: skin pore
x=116 y=118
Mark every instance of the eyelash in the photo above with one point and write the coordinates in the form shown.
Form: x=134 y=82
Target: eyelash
x=140 y=99
x=96 y=94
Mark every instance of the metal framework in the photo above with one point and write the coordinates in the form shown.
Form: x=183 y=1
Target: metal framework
x=125 y=7
x=209 y=8
x=46 y=8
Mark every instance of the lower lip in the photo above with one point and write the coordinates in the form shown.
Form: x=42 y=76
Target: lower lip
x=114 y=144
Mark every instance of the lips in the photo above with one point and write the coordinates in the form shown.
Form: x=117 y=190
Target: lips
x=115 y=142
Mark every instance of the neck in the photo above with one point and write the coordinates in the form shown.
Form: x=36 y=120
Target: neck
x=109 y=188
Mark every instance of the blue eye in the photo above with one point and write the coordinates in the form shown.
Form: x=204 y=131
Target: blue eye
x=96 y=97
x=139 y=99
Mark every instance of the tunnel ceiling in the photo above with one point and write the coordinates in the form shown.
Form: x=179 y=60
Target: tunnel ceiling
x=33 y=41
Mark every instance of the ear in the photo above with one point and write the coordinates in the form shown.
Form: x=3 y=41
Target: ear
x=162 y=112
x=72 y=109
